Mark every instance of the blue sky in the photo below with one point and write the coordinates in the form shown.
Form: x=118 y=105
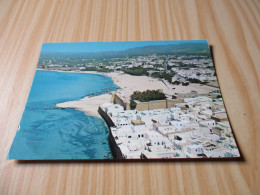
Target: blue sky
x=105 y=46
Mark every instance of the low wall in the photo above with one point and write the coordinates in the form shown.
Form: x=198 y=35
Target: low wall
x=128 y=106
x=142 y=106
x=171 y=103
x=118 y=100
x=151 y=105
x=157 y=104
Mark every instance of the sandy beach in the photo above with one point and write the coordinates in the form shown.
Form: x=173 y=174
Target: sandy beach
x=128 y=84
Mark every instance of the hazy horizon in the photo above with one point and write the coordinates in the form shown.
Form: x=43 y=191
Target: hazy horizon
x=92 y=47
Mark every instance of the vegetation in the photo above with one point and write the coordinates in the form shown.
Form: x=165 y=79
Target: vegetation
x=132 y=104
x=105 y=70
x=194 y=80
x=148 y=95
x=176 y=82
x=158 y=65
x=137 y=71
x=162 y=75
x=94 y=68
x=185 y=83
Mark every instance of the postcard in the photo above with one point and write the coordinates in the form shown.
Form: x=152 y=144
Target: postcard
x=124 y=100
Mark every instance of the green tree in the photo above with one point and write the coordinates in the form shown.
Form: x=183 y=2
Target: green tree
x=148 y=95
x=132 y=104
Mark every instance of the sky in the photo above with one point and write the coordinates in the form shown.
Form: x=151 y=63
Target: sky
x=105 y=46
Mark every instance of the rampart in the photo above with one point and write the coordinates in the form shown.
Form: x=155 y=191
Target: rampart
x=112 y=143
x=151 y=105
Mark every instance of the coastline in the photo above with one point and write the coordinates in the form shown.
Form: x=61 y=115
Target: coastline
x=128 y=84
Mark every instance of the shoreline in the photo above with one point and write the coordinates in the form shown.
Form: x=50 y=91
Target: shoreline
x=128 y=84
x=88 y=104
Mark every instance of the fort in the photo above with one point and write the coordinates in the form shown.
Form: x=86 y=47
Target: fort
x=150 y=105
x=140 y=106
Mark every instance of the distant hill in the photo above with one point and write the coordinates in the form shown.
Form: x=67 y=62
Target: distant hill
x=170 y=49
x=173 y=49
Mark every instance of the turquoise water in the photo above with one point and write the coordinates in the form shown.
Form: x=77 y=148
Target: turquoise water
x=50 y=133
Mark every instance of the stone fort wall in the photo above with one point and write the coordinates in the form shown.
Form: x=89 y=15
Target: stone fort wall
x=151 y=105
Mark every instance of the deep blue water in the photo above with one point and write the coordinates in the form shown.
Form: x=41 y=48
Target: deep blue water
x=47 y=133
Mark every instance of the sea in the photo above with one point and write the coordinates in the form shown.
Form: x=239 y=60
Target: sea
x=48 y=132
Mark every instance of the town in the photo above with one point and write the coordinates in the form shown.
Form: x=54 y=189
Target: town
x=176 y=69
x=198 y=127
x=172 y=125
